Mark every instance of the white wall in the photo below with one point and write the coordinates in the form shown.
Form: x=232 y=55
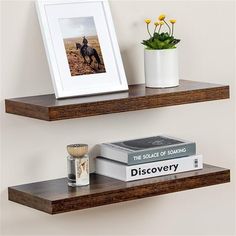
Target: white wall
x=34 y=150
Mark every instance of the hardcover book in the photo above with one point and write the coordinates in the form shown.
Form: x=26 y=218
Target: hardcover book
x=138 y=151
x=126 y=173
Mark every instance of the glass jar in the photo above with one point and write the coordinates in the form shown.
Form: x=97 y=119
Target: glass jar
x=78 y=165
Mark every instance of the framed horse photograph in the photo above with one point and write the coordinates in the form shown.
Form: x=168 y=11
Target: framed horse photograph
x=81 y=47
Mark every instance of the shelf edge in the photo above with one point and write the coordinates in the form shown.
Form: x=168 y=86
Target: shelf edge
x=118 y=195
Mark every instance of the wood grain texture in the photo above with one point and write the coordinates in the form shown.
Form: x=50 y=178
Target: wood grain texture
x=55 y=196
x=47 y=107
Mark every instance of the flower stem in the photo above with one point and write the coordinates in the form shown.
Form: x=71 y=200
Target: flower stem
x=172 y=30
x=155 y=30
x=159 y=29
x=148 y=31
x=168 y=27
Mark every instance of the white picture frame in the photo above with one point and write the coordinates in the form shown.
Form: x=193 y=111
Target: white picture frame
x=74 y=71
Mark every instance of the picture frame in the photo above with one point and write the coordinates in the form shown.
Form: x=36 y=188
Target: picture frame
x=81 y=47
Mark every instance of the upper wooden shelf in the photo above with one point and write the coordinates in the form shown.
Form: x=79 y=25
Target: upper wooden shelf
x=47 y=107
x=55 y=196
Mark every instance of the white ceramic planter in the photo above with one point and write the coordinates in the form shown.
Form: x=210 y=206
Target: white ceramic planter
x=161 y=68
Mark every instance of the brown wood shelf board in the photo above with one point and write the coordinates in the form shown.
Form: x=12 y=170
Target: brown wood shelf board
x=47 y=107
x=55 y=196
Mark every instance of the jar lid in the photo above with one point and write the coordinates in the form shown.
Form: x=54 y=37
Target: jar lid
x=77 y=150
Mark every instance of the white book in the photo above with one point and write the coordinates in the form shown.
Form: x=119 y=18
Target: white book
x=124 y=172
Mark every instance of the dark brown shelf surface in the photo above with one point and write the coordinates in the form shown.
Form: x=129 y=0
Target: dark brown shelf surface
x=47 y=107
x=55 y=196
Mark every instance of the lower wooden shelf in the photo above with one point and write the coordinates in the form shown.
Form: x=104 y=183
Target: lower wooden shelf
x=55 y=196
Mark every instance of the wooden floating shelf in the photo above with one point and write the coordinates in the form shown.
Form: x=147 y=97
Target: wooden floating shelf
x=55 y=196
x=47 y=107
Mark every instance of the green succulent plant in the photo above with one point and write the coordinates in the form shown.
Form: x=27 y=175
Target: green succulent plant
x=160 y=40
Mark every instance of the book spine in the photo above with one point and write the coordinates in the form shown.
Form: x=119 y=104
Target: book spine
x=160 y=168
x=161 y=154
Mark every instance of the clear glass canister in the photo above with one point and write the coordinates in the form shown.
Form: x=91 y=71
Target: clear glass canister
x=78 y=165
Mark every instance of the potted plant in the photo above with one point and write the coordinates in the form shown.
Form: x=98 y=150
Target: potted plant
x=160 y=55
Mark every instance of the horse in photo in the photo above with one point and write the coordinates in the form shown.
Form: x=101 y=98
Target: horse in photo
x=87 y=51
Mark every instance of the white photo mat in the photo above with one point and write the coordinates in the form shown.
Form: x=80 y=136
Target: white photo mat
x=50 y=14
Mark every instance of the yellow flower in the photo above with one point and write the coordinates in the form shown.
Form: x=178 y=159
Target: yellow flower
x=161 y=23
x=148 y=21
x=156 y=23
x=172 y=21
x=162 y=17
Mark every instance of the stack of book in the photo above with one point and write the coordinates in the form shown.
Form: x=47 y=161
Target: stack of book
x=147 y=157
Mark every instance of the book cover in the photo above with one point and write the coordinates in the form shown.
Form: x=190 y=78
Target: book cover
x=138 y=151
x=124 y=172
